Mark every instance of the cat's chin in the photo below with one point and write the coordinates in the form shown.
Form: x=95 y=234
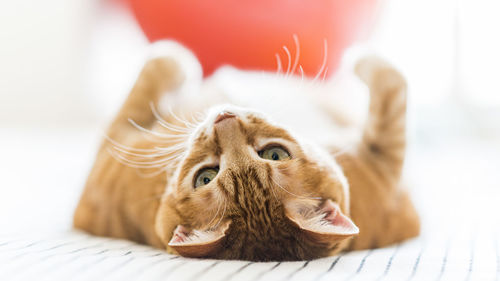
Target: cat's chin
x=320 y=222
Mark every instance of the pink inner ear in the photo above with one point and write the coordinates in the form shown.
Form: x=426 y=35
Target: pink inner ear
x=180 y=235
x=326 y=219
x=198 y=243
x=335 y=217
x=184 y=237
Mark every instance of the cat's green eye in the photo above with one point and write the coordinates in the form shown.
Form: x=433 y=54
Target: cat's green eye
x=274 y=153
x=205 y=176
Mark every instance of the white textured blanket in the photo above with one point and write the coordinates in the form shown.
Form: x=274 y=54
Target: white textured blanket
x=455 y=186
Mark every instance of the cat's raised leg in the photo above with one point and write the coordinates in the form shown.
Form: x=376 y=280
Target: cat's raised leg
x=379 y=206
x=117 y=200
x=383 y=141
x=158 y=76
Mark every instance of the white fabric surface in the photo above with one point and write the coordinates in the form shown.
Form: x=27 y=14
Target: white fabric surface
x=455 y=186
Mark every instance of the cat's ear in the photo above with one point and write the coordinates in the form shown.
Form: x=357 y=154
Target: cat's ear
x=197 y=243
x=323 y=224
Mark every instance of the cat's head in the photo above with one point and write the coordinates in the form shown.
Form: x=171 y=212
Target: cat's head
x=248 y=189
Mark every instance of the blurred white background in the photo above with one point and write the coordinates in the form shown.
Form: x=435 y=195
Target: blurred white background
x=70 y=63
x=66 y=66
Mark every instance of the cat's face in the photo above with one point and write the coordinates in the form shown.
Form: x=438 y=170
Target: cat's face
x=247 y=189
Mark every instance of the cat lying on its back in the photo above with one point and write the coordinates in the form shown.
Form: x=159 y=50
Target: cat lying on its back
x=231 y=182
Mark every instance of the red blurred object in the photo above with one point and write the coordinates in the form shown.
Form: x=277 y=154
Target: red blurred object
x=249 y=33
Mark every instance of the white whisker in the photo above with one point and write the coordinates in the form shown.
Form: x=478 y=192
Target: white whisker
x=154 y=133
x=189 y=125
x=200 y=116
x=175 y=147
x=164 y=123
x=223 y=213
x=163 y=140
x=135 y=164
x=152 y=155
x=301 y=72
x=279 y=68
x=146 y=163
x=192 y=120
x=115 y=143
x=325 y=57
x=160 y=120
x=289 y=61
x=216 y=213
x=298 y=196
x=121 y=159
x=274 y=193
x=324 y=74
x=193 y=117
x=297 y=53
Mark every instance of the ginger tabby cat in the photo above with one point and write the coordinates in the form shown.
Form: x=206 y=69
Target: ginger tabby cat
x=230 y=182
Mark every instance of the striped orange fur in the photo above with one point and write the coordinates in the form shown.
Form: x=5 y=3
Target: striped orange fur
x=307 y=205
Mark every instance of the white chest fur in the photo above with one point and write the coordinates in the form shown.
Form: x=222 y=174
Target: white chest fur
x=305 y=107
x=320 y=112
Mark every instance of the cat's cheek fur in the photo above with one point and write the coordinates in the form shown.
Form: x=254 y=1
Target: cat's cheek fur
x=167 y=220
x=334 y=171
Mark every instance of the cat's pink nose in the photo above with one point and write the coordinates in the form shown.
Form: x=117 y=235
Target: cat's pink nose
x=224 y=115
